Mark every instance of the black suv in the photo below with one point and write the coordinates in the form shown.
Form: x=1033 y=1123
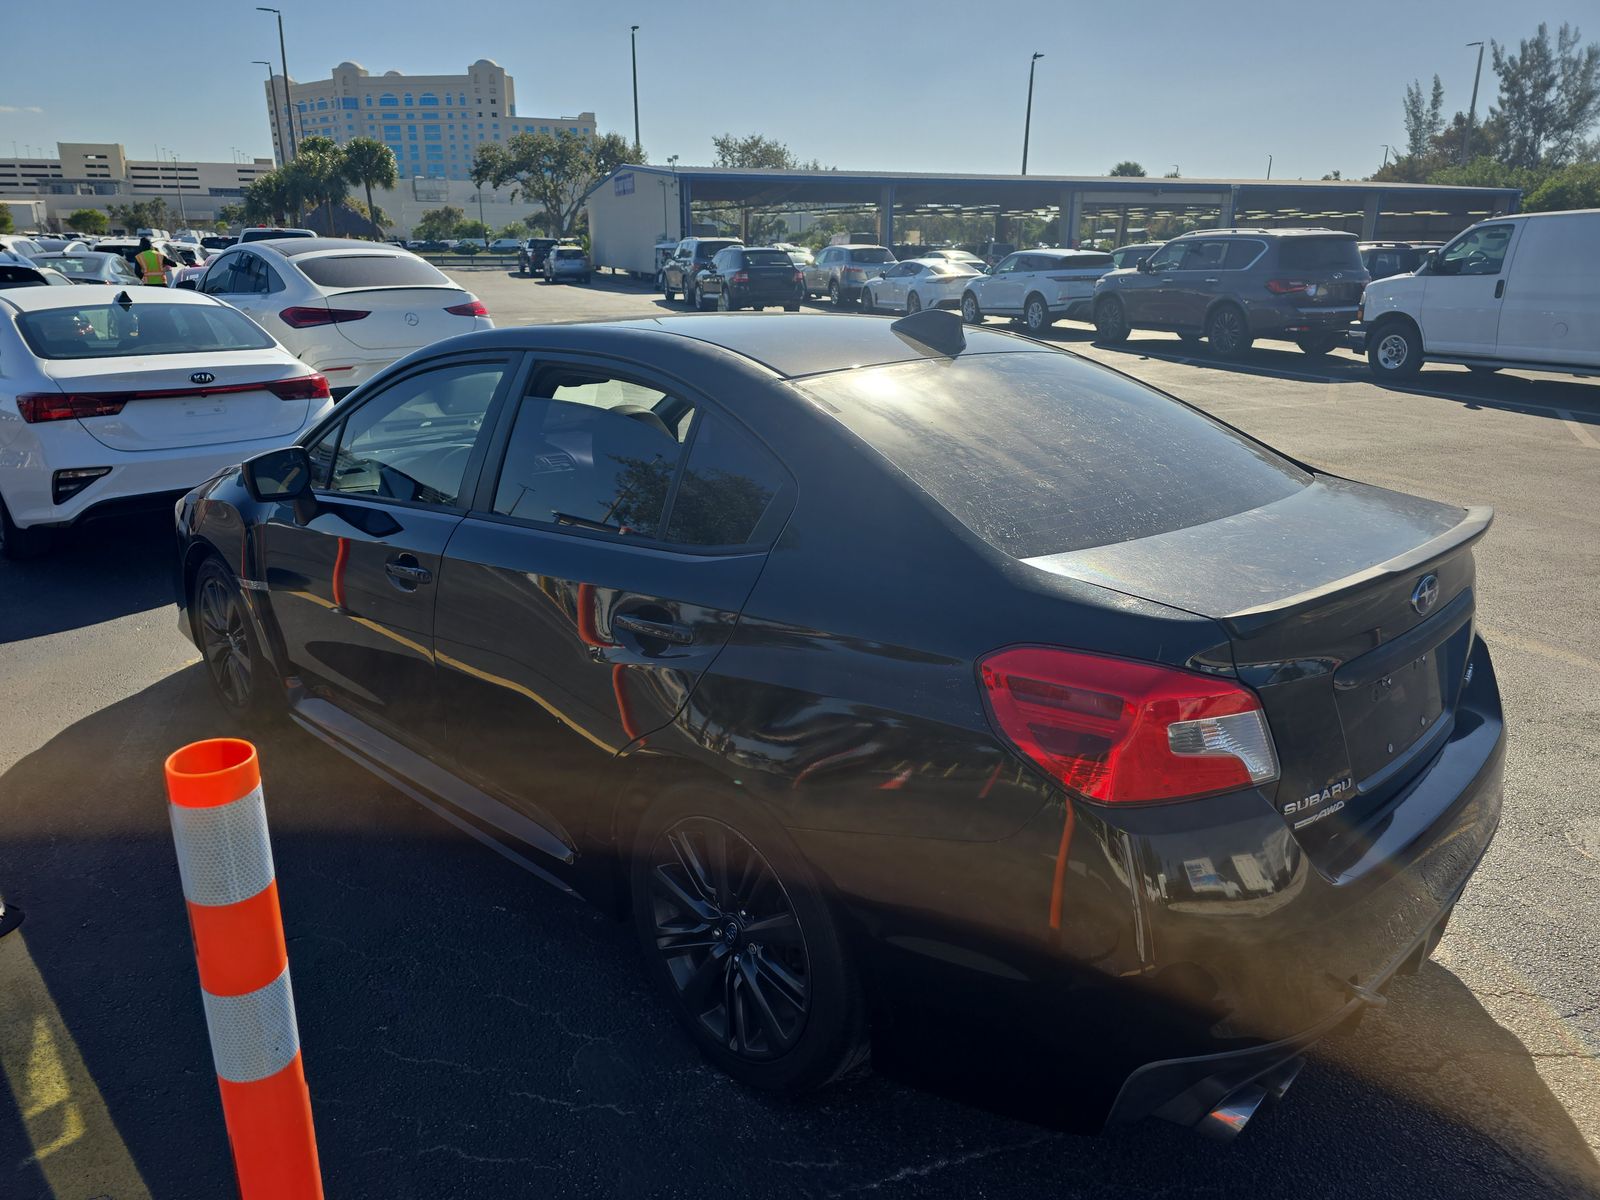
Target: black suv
x=1232 y=286
x=1383 y=259
x=740 y=277
x=692 y=256
x=533 y=252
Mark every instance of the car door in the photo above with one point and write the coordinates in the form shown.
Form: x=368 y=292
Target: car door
x=816 y=271
x=353 y=581
x=677 y=270
x=1197 y=280
x=250 y=286
x=891 y=287
x=601 y=570
x=1461 y=301
x=1143 y=292
x=1550 y=311
x=1003 y=292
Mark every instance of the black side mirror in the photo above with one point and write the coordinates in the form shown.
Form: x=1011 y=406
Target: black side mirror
x=278 y=474
x=189 y=285
x=1144 y=266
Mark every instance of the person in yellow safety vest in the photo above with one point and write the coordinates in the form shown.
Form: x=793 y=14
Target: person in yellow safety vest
x=152 y=264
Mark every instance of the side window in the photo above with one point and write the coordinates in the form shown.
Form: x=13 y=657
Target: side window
x=321 y=453
x=1205 y=256
x=1241 y=253
x=1168 y=257
x=594 y=452
x=250 y=275
x=1009 y=263
x=219 y=275
x=1477 y=252
x=412 y=441
x=728 y=487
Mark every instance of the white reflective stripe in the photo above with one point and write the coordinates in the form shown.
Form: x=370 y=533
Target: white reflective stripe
x=253 y=1035
x=223 y=852
x=253 y=585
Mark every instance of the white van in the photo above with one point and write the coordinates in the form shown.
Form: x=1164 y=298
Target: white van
x=1518 y=291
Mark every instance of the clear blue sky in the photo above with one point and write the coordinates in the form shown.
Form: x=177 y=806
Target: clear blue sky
x=931 y=85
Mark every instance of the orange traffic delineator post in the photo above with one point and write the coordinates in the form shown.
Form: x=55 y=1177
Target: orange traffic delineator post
x=219 y=825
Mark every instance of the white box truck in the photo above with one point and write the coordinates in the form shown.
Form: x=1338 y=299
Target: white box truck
x=632 y=215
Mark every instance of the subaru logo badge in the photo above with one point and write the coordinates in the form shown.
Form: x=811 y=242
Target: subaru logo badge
x=202 y=377
x=1425 y=594
x=411 y=318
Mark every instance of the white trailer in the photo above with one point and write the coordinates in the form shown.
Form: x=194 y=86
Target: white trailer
x=630 y=213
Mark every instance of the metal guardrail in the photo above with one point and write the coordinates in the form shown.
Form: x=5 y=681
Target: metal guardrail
x=498 y=261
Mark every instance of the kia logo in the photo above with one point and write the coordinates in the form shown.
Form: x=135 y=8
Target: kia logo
x=202 y=377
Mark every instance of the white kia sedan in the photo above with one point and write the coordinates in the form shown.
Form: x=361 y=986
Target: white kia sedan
x=119 y=398
x=918 y=283
x=346 y=308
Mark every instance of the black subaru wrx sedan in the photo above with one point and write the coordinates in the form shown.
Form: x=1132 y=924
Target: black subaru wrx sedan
x=893 y=679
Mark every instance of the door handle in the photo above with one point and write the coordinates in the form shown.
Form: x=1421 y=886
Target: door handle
x=1499 y=288
x=407 y=573
x=1213 y=281
x=678 y=635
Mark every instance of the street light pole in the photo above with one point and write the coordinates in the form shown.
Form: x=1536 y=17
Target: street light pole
x=288 y=97
x=1472 y=108
x=633 y=50
x=1269 y=166
x=177 y=184
x=1386 y=149
x=277 y=125
x=672 y=161
x=1027 y=121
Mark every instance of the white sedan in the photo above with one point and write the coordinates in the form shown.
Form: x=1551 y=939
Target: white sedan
x=116 y=397
x=916 y=284
x=346 y=308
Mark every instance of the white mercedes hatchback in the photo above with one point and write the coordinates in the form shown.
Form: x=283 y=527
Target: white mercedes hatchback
x=114 y=398
x=346 y=308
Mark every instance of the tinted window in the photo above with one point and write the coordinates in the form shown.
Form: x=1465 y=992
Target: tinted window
x=875 y=254
x=1204 y=255
x=1319 y=254
x=766 y=258
x=371 y=270
x=1042 y=453
x=563 y=253
x=1477 y=252
x=110 y=331
x=728 y=486
x=1168 y=257
x=595 y=454
x=219 y=275
x=1241 y=253
x=1008 y=264
x=412 y=440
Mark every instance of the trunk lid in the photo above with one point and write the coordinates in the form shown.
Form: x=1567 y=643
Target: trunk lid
x=191 y=413
x=1349 y=610
x=401 y=318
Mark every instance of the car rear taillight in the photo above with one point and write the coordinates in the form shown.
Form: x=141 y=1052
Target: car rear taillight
x=302 y=387
x=739 y=277
x=62 y=406
x=852 y=271
x=309 y=315
x=1126 y=732
x=472 y=308
x=799 y=277
x=1282 y=287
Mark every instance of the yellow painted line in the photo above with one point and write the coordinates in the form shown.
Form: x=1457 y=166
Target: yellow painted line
x=76 y=1146
x=1499 y=637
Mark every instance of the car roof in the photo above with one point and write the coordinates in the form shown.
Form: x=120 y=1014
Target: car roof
x=83 y=295
x=789 y=345
x=295 y=247
x=53 y=254
x=1293 y=231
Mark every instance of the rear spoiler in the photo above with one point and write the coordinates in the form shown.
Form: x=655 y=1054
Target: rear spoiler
x=1473 y=525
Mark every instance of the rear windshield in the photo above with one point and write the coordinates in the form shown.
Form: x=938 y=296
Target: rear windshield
x=767 y=258
x=707 y=249
x=371 y=270
x=111 y=331
x=1044 y=453
x=1319 y=254
x=876 y=254
x=569 y=253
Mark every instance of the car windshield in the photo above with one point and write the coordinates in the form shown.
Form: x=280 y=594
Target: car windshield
x=873 y=254
x=371 y=270
x=1320 y=254
x=1043 y=453
x=113 y=331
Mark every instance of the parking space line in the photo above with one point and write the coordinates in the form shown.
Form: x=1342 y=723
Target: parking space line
x=1499 y=637
x=1578 y=430
x=76 y=1146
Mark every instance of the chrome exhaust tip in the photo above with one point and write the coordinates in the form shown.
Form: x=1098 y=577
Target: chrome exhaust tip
x=1228 y=1119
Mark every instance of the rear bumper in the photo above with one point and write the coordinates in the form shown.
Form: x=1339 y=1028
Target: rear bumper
x=1268 y=319
x=788 y=294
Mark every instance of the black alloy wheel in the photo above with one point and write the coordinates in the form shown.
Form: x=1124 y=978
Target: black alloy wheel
x=1226 y=332
x=227 y=641
x=1111 y=320
x=868 y=305
x=835 y=295
x=738 y=933
x=691 y=296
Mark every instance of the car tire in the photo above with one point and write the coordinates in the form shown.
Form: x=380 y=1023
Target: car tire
x=1036 y=315
x=970 y=312
x=1111 y=321
x=723 y=303
x=868 y=305
x=835 y=296
x=1394 y=349
x=913 y=303
x=1227 y=332
x=20 y=545
x=1317 y=344
x=667 y=293
x=229 y=652
x=785 y=1013
x=691 y=296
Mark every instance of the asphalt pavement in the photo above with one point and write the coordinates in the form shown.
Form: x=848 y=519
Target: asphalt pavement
x=470 y=1033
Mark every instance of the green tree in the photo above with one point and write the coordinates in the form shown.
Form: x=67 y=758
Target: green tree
x=556 y=171
x=515 y=229
x=755 y=150
x=277 y=197
x=320 y=168
x=141 y=214
x=87 y=220
x=472 y=229
x=1549 y=96
x=229 y=215
x=1424 y=119
x=1129 y=168
x=369 y=163
x=439 y=224
x=1574 y=186
x=6 y=223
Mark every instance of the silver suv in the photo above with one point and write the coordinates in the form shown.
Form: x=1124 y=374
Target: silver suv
x=842 y=271
x=566 y=262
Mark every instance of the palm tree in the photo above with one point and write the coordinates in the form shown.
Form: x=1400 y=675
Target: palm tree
x=320 y=167
x=370 y=163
